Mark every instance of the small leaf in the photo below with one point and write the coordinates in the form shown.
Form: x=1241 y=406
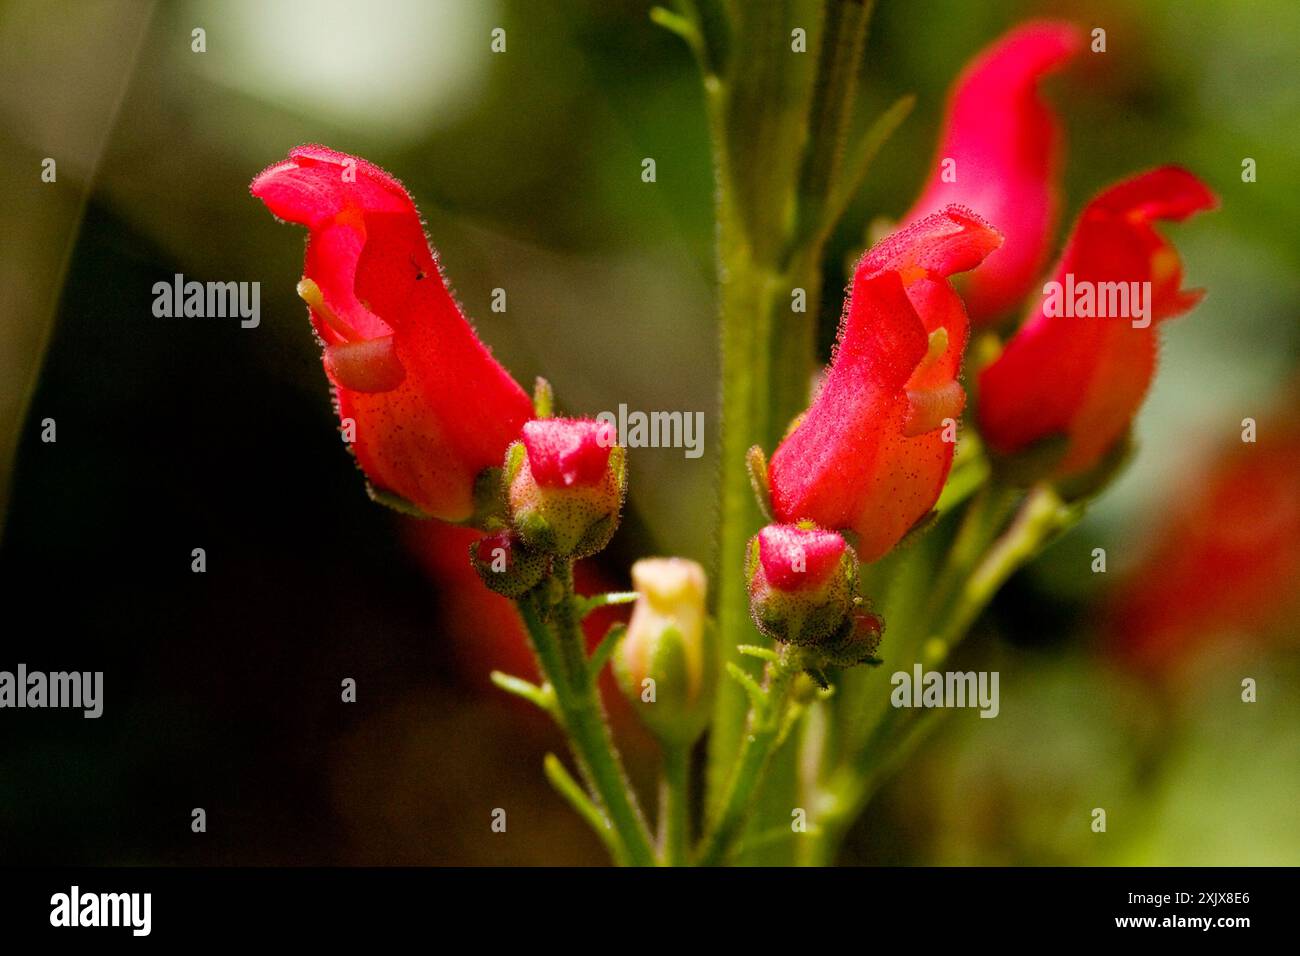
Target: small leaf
x=756 y=463
x=568 y=788
x=863 y=152
x=600 y=656
x=757 y=696
x=762 y=653
x=396 y=502
x=543 y=697
x=596 y=601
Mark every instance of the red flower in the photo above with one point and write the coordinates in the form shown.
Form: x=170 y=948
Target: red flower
x=1084 y=377
x=871 y=453
x=1004 y=144
x=1226 y=561
x=432 y=408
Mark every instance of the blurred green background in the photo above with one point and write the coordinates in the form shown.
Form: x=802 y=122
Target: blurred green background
x=174 y=434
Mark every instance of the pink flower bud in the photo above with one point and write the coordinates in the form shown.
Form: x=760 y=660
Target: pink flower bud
x=802 y=582
x=565 y=482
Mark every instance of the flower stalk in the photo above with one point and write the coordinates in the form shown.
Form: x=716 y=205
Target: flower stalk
x=555 y=632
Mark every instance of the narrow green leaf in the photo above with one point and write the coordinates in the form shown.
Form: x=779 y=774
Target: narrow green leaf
x=543 y=697
x=600 y=656
x=762 y=653
x=757 y=696
x=596 y=601
x=568 y=788
x=862 y=153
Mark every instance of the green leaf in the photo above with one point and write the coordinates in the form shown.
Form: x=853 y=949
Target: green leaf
x=596 y=601
x=568 y=788
x=396 y=502
x=762 y=653
x=844 y=39
x=862 y=153
x=600 y=656
x=543 y=697
x=757 y=696
x=756 y=462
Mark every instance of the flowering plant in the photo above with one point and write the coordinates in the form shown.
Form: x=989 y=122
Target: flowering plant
x=893 y=504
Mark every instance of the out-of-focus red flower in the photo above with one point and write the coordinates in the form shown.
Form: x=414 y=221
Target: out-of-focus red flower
x=432 y=408
x=1004 y=146
x=1227 y=559
x=484 y=628
x=1083 y=378
x=484 y=632
x=870 y=454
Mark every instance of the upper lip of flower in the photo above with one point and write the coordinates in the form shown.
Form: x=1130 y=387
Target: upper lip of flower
x=1004 y=143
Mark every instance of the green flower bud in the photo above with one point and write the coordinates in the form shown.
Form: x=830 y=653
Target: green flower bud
x=506 y=564
x=667 y=663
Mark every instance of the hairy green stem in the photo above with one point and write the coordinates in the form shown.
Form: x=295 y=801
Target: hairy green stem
x=561 y=655
x=675 y=806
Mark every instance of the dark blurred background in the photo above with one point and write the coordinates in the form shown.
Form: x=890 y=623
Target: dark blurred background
x=222 y=689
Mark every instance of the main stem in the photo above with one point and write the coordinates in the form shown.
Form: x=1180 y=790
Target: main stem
x=562 y=658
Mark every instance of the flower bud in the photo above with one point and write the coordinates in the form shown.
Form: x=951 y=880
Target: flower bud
x=802 y=582
x=857 y=641
x=667 y=662
x=506 y=564
x=565 y=482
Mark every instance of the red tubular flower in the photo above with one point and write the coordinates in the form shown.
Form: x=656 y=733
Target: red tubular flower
x=870 y=454
x=432 y=408
x=1084 y=377
x=1004 y=144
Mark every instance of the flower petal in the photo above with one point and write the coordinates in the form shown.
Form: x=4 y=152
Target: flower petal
x=1004 y=146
